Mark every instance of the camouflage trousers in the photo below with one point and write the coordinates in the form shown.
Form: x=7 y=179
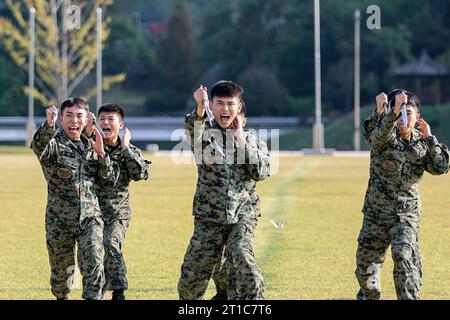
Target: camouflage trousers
x=374 y=239
x=114 y=262
x=61 y=250
x=220 y=276
x=245 y=280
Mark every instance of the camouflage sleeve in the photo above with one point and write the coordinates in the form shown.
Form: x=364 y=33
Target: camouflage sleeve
x=258 y=166
x=384 y=133
x=41 y=139
x=108 y=172
x=437 y=158
x=137 y=166
x=195 y=126
x=370 y=124
x=50 y=153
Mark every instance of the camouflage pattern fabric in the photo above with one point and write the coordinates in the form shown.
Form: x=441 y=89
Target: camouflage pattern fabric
x=204 y=253
x=73 y=213
x=374 y=239
x=220 y=271
x=392 y=206
x=223 y=211
x=370 y=124
x=397 y=168
x=116 y=211
x=223 y=171
x=61 y=249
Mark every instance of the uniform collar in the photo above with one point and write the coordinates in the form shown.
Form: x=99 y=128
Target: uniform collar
x=110 y=149
x=415 y=138
x=65 y=140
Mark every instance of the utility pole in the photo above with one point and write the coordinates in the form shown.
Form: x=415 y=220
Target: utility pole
x=31 y=61
x=318 y=130
x=357 y=133
x=99 y=58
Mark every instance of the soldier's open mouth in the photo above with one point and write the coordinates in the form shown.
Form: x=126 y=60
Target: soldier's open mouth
x=106 y=130
x=224 y=118
x=74 y=129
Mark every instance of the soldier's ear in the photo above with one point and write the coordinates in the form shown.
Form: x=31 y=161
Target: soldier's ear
x=121 y=125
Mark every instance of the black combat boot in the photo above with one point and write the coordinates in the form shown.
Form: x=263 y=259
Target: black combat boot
x=118 y=295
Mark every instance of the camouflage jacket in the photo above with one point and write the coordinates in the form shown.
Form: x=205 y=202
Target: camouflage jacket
x=71 y=176
x=397 y=167
x=250 y=186
x=225 y=175
x=370 y=124
x=114 y=202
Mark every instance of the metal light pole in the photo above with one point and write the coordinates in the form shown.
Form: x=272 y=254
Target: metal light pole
x=30 y=124
x=357 y=134
x=99 y=58
x=318 y=131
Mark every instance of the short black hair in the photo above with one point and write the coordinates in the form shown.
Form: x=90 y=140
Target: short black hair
x=227 y=89
x=74 y=101
x=111 y=107
x=412 y=98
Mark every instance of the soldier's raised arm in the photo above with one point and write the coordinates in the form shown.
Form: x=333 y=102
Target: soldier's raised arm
x=369 y=125
x=437 y=158
x=45 y=132
x=137 y=166
x=385 y=133
x=196 y=120
x=373 y=120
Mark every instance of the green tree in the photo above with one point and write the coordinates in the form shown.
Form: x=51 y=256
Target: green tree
x=129 y=50
x=64 y=57
x=12 y=99
x=177 y=51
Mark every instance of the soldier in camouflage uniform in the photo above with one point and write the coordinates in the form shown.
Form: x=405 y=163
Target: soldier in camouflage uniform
x=114 y=202
x=399 y=156
x=227 y=160
x=72 y=166
x=220 y=272
x=373 y=120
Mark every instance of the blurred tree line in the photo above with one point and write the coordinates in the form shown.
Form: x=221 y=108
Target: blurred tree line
x=168 y=47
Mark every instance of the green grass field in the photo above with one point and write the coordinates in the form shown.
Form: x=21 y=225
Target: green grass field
x=312 y=257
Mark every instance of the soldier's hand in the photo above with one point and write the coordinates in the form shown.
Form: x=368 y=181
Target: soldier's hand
x=98 y=143
x=125 y=142
x=238 y=131
x=424 y=128
x=237 y=124
x=52 y=115
x=382 y=101
x=201 y=97
x=400 y=100
x=90 y=123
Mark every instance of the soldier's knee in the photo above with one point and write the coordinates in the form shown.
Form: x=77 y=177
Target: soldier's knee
x=402 y=253
x=241 y=255
x=112 y=243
